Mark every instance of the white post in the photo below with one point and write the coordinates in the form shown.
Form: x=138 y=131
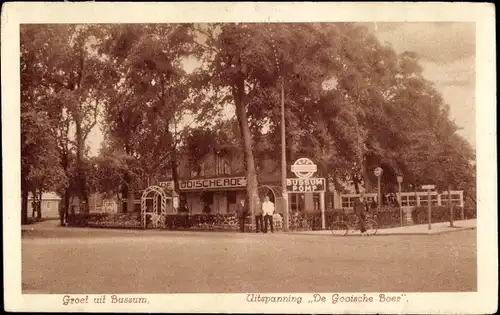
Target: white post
x=400 y=205
x=429 y=207
x=322 y=208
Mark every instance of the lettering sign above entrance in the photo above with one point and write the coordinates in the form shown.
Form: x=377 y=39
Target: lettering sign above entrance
x=298 y=185
x=304 y=168
x=208 y=183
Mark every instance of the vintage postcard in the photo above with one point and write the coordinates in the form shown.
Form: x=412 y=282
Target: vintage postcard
x=249 y=157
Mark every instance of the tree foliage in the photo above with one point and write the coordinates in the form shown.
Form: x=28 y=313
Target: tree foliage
x=351 y=104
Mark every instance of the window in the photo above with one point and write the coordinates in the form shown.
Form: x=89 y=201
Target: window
x=316 y=202
x=348 y=202
x=455 y=199
x=424 y=200
x=330 y=201
x=293 y=202
x=169 y=174
x=207 y=199
x=47 y=204
x=231 y=197
x=408 y=201
x=222 y=166
x=370 y=199
x=297 y=202
x=345 y=202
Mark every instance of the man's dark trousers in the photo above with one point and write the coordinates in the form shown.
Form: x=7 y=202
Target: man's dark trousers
x=258 y=223
x=268 y=219
x=242 y=220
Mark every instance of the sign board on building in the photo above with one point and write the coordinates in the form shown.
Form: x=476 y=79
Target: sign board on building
x=304 y=168
x=428 y=187
x=297 y=185
x=207 y=183
x=378 y=171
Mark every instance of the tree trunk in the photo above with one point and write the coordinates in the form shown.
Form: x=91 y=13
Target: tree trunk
x=24 y=203
x=130 y=195
x=356 y=182
x=34 y=202
x=449 y=206
x=174 y=166
x=241 y=114
x=128 y=192
x=39 y=207
x=66 y=206
x=80 y=145
x=365 y=176
x=130 y=201
x=122 y=207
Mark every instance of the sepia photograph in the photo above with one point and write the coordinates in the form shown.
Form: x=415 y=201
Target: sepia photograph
x=287 y=163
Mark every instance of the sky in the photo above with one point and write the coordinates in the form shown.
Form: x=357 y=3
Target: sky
x=447 y=53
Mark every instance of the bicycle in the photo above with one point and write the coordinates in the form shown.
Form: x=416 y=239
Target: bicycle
x=341 y=227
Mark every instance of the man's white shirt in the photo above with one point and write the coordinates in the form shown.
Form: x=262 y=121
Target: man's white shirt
x=268 y=208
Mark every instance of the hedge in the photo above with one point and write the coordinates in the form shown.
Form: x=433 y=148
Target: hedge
x=386 y=217
x=109 y=220
x=212 y=222
x=441 y=214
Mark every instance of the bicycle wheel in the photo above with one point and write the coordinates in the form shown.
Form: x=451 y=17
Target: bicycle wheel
x=339 y=228
x=371 y=226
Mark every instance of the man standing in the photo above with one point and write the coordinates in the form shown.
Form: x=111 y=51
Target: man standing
x=242 y=213
x=268 y=211
x=360 y=206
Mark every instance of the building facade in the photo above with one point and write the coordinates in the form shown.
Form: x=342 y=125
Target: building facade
x=219 y=183
x=49 y=205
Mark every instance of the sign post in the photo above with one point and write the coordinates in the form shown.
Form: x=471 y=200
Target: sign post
x=304 y=169
x=429 y=211
x=400 y=180
x=378 y=172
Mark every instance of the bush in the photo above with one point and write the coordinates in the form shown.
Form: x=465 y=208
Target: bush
x=109 y=220
x=470 y=213
x=438 y=214
x=226 y=221
x=387 y=217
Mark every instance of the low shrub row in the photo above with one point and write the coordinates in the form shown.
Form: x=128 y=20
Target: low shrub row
x=298 y=221
x=201 y=221
x=441 y=214
x=109 y=220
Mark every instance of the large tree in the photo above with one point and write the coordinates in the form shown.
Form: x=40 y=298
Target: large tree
x=64 y=61
x=150 y=97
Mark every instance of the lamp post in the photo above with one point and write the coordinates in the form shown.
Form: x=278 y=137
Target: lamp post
x=378 y=172
x=283 y=138
x=283 y=157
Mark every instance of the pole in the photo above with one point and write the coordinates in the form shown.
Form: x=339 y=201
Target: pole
x=322 y=208
x=429 y=207
x=450 y=207
x=379 y=193
x=400 y=206
x=283 y=158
